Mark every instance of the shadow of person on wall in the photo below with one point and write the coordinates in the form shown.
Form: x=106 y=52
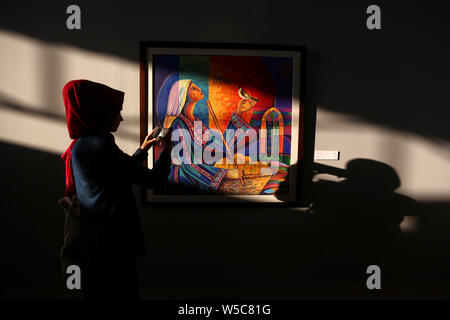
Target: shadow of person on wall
x=353 y=222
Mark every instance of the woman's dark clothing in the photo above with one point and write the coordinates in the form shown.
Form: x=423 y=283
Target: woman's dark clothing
x=110 y=229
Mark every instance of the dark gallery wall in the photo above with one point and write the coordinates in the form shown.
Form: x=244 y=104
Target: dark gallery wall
x=393 y=81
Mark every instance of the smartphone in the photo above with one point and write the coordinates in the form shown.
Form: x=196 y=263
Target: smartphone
x=157 y=131
x=161 y=133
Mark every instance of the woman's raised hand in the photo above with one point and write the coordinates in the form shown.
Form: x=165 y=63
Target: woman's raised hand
x=166 y=142
x=149 y=141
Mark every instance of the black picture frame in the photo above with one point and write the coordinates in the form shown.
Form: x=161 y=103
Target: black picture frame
x=300 y=197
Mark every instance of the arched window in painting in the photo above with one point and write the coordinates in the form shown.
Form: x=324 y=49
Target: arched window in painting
x=271 y=120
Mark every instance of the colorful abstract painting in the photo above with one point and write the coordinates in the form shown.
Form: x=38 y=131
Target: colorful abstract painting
x=232 y=122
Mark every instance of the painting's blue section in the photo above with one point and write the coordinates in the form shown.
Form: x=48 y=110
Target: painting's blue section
x=196 y=68
x=170 y=68
x=282 y=73
x=165 y=74
x=281 y=70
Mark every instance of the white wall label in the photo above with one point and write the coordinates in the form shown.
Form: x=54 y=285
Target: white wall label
x=326 y=155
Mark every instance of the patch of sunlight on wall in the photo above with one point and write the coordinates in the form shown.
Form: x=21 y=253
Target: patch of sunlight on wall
x=32 y=76
x=423 y=165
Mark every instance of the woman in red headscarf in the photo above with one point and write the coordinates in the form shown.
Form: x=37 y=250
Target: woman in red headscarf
x=101 y=177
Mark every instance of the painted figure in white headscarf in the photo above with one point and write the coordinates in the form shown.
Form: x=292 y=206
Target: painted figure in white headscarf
x=190 y=173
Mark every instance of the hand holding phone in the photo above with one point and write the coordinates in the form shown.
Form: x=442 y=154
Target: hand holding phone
x=164 y=137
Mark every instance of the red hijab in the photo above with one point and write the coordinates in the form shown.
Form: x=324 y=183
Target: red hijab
x=90 y=108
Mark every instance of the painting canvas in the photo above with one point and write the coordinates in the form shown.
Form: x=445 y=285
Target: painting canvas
x=236 y=123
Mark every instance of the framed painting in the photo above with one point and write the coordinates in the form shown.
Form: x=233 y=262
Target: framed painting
x=236 y=116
